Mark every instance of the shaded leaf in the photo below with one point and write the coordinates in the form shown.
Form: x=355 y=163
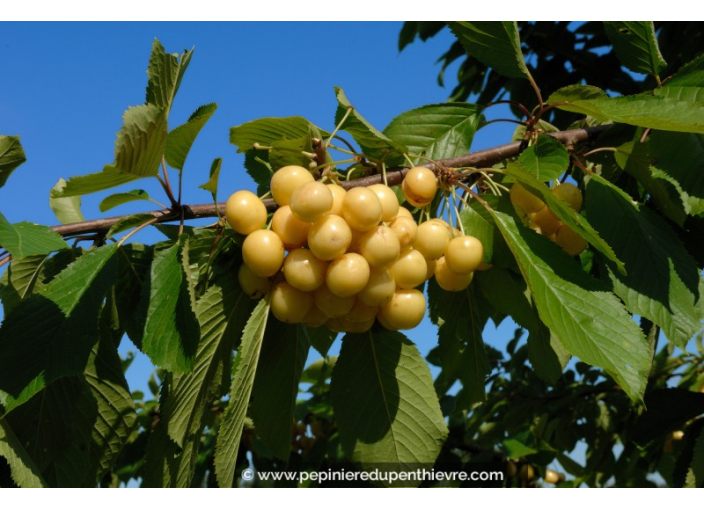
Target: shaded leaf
x=66 y=209
x=59 y=326
x=586 y=319
x=663 y=280
x=494 y=43
x=437 y=131
x=165 y=73
x=678 y=158
x=25 y=239
x=230 y=433
x=171 y=331
x=180 y=140
x=129 y=222
x=123 y=198
x=11 y=156
x=22 y=468
x=373 y=142
x=384 y=403
x=212 y=184
x=563 y=211
x=284 y=353
x=666 y=410
x=636 y=46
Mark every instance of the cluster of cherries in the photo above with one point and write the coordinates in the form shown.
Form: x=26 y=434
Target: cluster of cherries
x=345 y=258
x=538 y=216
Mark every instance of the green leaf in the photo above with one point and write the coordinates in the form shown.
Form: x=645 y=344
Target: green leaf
x=59 y=326
x=284 y=353
x=116 y=199
x=129 y=222
x=24 y=472
x=11 y=156
x=633 y=157
x=679 y=159
x=133 y=268
x=586 y=319
x=656 y=112
x=547 y=160
x=437 y=131
x=636 y=46
x=91 y=183
x=180 y=140
x=516 y=449
x=266 y=131
x=663 y=279
x=25 y=239
x=171 y=331
x=475 y=225
x=320 y=338
x=461 y=317
x=384 y=403
x=230 y=433
x=116 y=417
x=563 y=211
x=696 y=470
x=509 y=294
x=21 y=279
x=689 y=75
x=165 y=73
x=56 y=425
x=66 y=209
x=494 y=43
x=222 y=314
x=212 y=184
x=687 y=94
x=572 y=93
x=373 y=142
x=141 y=141
x=290 y=151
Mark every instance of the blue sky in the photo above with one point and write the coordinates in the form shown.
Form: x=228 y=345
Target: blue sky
x=65 y=87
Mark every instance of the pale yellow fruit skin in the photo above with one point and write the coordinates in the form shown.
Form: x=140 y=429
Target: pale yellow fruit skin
x=310 y=201
x=569 y=193
x=545 y=220
x=403 y=212
x=380 y=287
x=409 y=269
x=245 y=212
x=286 y=179
x=303 y=270
x=432 y=239
x=379 y=246
x=348 y=326
x=338 y=195
x=330 y=304
x=292 y=231
x=570 y=241
x=314 y=318
x=254 y=286
x=405 y=310
x=361 y=312
x=449 y=280
x=388 y=199
x=263 y=252
x=347 y=275
x=419 y=186
x=432 y=264
x=524 y=199
x=551 y=476
x=405 y=229
x=329 y=237
x=289 y=304
x=464 y=254
x=361 y=209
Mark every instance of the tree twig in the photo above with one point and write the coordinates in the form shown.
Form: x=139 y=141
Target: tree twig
x=394 y=176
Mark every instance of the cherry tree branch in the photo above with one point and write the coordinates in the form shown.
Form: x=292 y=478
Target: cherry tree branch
x=394 y=176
